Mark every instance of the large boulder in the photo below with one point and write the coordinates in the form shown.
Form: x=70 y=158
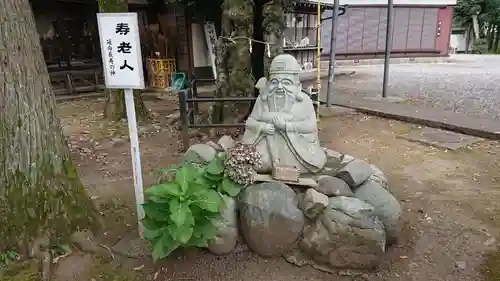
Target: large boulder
x=355 y=172
x=227 y=229
x=226 y=142
x=199 y=153
x=378 y=176
x=347 y=235
x=270 y=220
x=333 y=160
x=387 y=207
x=313 y=203
x=332 y=186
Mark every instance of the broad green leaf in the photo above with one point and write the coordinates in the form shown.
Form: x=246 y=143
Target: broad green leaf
x=152 y=224
x=200 y=242
x=180 y=213
x=166 y=190
x=212 y=181
x=152 y=234
x=216 y=166
x=206 y=228
x=12 y=255
x=208 y=200
x=203 y=181
x=230 y=187
x=156 y=211
x=163 y=246
x=182 y=233
x=65 y=248
x=195 y=188
x=158 y=251
x=200 y=168
x=184 y=176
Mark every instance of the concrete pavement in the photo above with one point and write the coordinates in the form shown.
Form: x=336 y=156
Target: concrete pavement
x=424 y=115
x=470 y=84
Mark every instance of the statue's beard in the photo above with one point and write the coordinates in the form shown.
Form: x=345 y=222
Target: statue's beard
x=283 y=99
x=283 y=92
x=289 y=94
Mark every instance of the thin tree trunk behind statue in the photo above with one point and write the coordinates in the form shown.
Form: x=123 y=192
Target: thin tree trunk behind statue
x=234 y=66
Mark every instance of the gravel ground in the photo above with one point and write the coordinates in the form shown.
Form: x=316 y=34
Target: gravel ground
x=470 y=84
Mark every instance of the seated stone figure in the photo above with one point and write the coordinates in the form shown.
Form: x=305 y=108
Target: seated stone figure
x=282 y=124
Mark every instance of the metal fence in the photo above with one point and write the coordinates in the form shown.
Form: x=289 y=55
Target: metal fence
x=188 y=109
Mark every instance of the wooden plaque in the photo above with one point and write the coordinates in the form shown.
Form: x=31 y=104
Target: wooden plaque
x=283 y=173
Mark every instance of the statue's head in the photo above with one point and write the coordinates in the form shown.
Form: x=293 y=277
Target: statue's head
x=284 y=77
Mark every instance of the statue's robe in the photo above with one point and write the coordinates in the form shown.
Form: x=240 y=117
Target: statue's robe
x=296 y=146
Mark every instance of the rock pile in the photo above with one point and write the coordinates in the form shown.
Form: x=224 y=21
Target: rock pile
x=345 y=222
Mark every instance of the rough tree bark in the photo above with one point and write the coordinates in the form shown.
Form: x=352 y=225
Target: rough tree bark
x=468 y=30
x=234 y=64
x=115 y=109
x=273 y=25
x=41 y=194
x=497 y=39
x=489 y=36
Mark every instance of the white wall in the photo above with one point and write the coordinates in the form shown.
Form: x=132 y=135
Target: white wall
x=200 y=48
x=396 y=2
x=457 y=41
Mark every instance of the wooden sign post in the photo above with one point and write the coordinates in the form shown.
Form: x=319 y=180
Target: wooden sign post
x=122 y=65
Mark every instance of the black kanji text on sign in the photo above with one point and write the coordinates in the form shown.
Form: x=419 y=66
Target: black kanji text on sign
x=125 y=65
x=124 y=47
x=122 y=28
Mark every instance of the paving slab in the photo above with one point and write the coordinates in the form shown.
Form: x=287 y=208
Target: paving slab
x=424 y=115
x=387 y=99
x=440 y=138
x=335 y=111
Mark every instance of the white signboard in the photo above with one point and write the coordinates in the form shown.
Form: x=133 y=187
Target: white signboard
x=121 y=50
x=211 y=37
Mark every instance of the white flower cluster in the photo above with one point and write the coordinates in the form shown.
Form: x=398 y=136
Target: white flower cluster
x=241 y=163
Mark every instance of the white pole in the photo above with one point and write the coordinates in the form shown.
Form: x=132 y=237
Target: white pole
x=136 y=157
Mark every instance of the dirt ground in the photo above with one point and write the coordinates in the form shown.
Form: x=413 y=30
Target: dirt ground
x=450 y=198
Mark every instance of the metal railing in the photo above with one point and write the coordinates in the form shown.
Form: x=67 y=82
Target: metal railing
x=188 y=108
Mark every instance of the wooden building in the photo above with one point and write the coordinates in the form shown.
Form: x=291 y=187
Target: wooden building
x=70 y=40
x=421 y=28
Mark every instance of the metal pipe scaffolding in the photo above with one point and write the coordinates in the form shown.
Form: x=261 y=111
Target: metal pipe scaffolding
x=388 y=46
x=330 y=92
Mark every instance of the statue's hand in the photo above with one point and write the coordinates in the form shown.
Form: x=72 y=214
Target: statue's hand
x=279 y=122
x=269 y=129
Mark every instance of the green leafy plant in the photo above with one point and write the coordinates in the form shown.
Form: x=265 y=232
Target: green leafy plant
x=8 y=257
x=181 y=212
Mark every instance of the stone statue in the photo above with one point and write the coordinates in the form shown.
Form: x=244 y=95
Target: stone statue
x=282 y=124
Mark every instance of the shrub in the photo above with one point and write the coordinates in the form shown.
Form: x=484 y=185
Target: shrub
x=182 y=211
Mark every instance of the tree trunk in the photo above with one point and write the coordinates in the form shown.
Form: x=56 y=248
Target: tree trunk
x=115 y=109
x=467 y=38
x=490 y=36
x=497 y=39
x=274 y=26
x=234 y=67
x=41 y=194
